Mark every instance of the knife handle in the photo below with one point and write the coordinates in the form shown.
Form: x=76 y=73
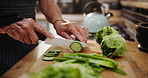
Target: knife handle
x=74 y=37
x=77 y=39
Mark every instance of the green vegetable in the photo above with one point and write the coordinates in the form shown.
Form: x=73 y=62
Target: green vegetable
x=113 y=46
x=111 y=43
x=78 y=65
x=120 y=71
x=98 y=63
x=55 y=51
x=99 y=69
x=66 y=70
x=104 y=32
x=48 y=58
x=106 y=62
x=75 y=47
x=50 y=55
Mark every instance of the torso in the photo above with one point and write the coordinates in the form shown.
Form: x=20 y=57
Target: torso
x=12 y=50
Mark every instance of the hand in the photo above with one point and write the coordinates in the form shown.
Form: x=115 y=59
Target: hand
x=67 y=29
x=24 y=31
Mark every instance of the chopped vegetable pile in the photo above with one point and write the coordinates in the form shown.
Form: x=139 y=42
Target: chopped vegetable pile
x=111 y=43
x=78 y=65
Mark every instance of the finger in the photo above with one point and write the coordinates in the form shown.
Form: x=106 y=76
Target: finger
x=82 y=32
x=67 y=36
x=43 y=31
x=33 y=37
x=27 y=39
x=86 y=33
x=75 y=32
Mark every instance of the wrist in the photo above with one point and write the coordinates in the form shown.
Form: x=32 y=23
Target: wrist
x=58 y=21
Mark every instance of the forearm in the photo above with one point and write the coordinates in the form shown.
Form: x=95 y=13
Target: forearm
x=51 y=10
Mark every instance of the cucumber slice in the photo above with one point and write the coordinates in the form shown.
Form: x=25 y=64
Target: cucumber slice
x=48 y=58
x=51 y=54
x=76 y=47
x=55 y=51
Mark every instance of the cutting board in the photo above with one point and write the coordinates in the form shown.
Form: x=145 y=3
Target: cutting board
x=40 y=64
x=128 y=62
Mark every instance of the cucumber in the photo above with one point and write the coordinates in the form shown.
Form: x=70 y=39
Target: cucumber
x=76 y=47
x=55 y=51
x=48 y=58
x=51 y=54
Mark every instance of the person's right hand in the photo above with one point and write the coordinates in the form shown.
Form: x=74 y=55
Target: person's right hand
x=24 y=31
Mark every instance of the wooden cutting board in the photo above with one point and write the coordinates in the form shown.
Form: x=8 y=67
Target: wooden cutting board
x=40 y=64
x=134 y=63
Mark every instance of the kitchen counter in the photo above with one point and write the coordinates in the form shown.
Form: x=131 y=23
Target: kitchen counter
x=79 y=17
x=134 y=62
x=138 y=4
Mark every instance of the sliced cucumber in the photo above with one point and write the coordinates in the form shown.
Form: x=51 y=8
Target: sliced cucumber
x=48 y=58
x=51 y=54
x=76 y=47
x=55 y=51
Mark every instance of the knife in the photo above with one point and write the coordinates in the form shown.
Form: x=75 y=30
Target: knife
x=62 y=42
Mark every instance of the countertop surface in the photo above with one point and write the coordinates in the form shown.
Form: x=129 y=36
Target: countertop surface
x=134 y=62
x=138 y=4
x=116 y=18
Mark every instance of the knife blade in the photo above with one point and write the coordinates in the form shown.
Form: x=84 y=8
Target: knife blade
x=62 y=42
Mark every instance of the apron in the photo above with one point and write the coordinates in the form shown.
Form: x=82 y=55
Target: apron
x=11 y=50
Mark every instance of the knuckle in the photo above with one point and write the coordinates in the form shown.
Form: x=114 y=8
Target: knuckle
x=31 y=21
x=25 y=27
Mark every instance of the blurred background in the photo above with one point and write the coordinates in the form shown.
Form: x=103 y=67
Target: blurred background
x=125 y=14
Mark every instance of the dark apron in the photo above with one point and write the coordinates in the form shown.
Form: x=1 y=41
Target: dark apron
x=11 y=50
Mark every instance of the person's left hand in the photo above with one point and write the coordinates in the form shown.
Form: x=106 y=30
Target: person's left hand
x=66 y=29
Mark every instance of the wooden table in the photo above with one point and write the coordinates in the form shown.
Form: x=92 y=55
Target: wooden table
x=134 y=63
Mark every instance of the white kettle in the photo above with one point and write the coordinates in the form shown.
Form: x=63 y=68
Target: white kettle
x=95 y=17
